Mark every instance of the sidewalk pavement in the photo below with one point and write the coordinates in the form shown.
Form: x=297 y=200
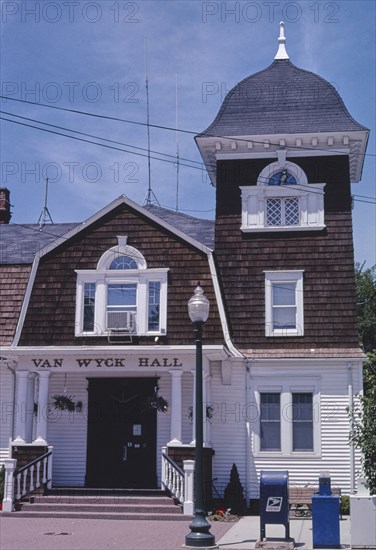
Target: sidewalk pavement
x=83 y=534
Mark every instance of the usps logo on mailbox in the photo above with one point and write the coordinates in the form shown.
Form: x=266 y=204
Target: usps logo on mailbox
x=274 y=504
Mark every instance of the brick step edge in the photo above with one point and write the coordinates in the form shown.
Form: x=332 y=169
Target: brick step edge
x=102 y=500
x=95 y=515
x=98 y=508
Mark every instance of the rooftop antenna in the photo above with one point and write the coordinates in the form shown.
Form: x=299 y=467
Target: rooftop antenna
x=45 y=215
x=177 y=149
x=150 y=197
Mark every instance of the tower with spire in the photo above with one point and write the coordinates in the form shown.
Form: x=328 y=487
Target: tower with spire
x=282 y=152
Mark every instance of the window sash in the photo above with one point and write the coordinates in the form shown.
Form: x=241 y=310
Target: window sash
x=302 y=422
x=154 y=303
x=284 y=310
x=270 y=422
x=89 y=307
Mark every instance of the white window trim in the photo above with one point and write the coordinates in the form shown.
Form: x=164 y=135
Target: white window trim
x=272 y=277
x=310 y=195
x=311 y=207
x=286 y=389
x=102 y=277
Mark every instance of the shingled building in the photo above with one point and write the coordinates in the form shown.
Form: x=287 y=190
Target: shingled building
x=97 y=348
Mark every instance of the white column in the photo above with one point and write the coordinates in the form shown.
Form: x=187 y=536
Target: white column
x=29 y=413
x=193 y=442
x=206 y=399
x=8 y=500
x=175 y=408
x=20 y=405
x=41 y=432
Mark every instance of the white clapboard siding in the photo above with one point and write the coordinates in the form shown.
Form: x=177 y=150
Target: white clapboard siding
x=6 y=403
x=67 y=432
x=163 y=421
x=228 y=427
x=335 y=449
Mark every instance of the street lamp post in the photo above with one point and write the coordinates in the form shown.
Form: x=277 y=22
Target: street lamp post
x=198 y=309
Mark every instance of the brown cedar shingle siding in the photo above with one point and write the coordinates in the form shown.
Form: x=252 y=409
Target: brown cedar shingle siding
x=13 y=283
x=52 y=304
x=325 y=256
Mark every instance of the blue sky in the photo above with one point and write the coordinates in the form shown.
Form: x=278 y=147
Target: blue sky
x=89 y=56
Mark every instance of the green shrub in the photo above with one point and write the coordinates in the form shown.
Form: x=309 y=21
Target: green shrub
x=234 y=493
x=2 y=480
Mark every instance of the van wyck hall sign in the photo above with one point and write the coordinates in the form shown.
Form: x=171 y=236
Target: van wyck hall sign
x=108 y=362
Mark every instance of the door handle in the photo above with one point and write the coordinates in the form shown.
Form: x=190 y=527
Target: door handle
x=125 y=453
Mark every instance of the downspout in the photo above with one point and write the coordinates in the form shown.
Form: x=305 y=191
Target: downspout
x=222 y=315
x=248 y=433
x=13 y=371
x=351 y=407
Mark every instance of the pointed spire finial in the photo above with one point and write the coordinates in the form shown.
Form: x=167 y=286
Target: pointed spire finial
x=282 y=53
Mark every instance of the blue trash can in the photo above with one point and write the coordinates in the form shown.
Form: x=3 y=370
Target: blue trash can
x=325 y=516
x=274 y=500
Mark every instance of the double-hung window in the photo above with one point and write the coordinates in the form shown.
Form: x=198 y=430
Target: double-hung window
x=284 y=306
x=302 y=422
x=288 y=419
x=122 y=294
x=270 y=421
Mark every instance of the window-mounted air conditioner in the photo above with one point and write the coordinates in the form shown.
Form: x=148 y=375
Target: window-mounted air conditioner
x=121 y=321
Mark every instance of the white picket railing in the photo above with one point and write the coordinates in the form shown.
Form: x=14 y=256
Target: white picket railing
x=26 y=480
x=178 y=481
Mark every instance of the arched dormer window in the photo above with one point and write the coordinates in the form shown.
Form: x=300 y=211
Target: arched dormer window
x=282 y=200
x=283 y=177
x=121 y=294
x=123 y=262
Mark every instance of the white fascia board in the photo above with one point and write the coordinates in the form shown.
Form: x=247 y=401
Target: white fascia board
x=50 y=351
x=290 y=153
x=25 y=303
x=308 y=361
x=114 y=204
x=358 y=139
x=222 y=314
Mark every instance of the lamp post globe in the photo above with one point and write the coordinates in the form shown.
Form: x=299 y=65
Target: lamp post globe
x=199 y=536
x=198 y=306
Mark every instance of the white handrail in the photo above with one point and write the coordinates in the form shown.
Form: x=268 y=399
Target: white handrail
x=178 y=482
x=26 y=480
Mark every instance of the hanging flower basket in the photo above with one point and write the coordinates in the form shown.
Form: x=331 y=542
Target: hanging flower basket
x=158 y=403
x=64 y=403
x=209 y=412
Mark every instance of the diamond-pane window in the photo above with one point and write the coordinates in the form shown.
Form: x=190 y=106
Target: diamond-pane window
x=282 y=212
x=274 y=212
x=291 y=207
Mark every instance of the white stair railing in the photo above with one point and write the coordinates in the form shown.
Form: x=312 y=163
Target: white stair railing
x=26 y=480
x=178 y=482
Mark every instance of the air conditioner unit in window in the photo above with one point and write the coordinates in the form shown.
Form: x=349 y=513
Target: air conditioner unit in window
x=121 y=321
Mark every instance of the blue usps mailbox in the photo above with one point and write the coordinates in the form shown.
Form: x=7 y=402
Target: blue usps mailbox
x=274 y=500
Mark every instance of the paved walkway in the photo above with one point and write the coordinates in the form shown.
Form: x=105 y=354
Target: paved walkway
x=68 y=534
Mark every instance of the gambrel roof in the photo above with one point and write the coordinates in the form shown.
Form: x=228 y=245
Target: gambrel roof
x=20 y=242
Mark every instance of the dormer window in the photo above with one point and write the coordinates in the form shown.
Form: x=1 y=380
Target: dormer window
x=122 y=294
x=282 y=200
x=123 y=262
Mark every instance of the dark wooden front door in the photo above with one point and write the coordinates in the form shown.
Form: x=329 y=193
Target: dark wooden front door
x=121 y=443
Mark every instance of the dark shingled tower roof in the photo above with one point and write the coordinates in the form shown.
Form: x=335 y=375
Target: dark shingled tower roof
x=282 y=99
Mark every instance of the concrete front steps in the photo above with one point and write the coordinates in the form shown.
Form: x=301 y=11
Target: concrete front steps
x=82 y=503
